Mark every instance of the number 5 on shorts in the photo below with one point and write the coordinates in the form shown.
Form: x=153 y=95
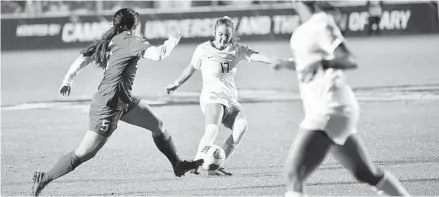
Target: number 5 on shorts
x=105 y=125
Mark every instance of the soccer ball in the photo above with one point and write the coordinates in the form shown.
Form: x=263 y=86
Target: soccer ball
x=213 y=156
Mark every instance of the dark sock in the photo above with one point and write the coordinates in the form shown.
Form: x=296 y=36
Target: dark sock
x=165 y=144
x=65 y=164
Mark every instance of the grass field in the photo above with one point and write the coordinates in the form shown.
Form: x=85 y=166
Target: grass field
x=397 y=83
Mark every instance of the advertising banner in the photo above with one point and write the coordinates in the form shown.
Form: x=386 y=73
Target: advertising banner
x=262 y=24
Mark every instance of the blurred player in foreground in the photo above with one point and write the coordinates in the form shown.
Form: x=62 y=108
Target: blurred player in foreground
x=331 y=109
x=218 y=59
x=118 y=53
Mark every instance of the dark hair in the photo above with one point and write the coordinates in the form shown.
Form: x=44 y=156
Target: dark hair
x=229 y=23
x=124 y=19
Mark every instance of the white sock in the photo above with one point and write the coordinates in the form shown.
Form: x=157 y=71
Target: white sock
x=295 y=194
x=391 y=186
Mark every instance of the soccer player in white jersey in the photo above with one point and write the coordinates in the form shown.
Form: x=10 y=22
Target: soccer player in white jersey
x=331 y=109
x=218 y=59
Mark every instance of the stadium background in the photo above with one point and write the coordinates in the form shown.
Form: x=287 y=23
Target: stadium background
x=397 y=84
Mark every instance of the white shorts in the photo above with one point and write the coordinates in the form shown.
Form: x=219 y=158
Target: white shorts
x=338 y=126
x=211 y=97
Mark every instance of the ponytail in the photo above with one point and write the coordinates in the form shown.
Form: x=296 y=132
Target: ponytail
x=98 y=51
x=123 y=20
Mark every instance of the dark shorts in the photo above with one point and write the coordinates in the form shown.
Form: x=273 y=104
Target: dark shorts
x=103 y=119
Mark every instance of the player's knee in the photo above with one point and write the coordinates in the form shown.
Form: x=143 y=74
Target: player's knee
x=212 y=128
x=368 y=176
x=159 y=124
x=157 y=127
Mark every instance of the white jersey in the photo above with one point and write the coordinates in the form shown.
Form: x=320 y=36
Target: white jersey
x=218 y=67
x=323 y=92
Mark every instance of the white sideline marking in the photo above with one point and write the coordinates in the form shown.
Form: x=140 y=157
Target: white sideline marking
x=244 y=96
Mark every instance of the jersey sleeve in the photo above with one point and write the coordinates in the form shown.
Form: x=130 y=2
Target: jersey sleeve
x=74 y=69
x=162 y=51
x=196 y=57
x=137 y=46
x=245 y=52
x=331 y=37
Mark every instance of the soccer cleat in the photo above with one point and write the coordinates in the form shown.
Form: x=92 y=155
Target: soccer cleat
x=38 y=183
x=219 y=172
x=196 y=171
x=183 y=166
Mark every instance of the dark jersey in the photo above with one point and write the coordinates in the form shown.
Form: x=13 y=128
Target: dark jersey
x=125 y=53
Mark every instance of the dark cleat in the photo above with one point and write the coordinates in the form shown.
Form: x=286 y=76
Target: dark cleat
x=196 y=171
x=38 y=183
x=219 y=172
x=183 y=166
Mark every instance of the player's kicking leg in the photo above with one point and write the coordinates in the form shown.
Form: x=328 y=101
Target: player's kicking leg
x=236 y=121
x=307 y=151
x=141 y=115
x=353 y=156
x=88 y=148
x=213 y=114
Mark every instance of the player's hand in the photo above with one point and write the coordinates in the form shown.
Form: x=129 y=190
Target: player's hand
x=275 y=67
x=65 y=90
x=171 y=88
x=175 y=34
x=279 y=64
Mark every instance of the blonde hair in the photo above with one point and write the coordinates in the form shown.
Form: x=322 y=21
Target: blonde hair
x=225 y=20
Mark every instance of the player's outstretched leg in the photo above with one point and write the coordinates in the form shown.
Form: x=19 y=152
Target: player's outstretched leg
x=353 y=156
x=88 y=148
x=213 y=115
x=307 y=151
x=210 y=133
x=141 y=115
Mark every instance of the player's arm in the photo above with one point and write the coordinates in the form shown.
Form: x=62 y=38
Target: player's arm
x=343 y=59
x=333 y=42
x=158 y=53
x=261 y=58
x=276 y=62
x=188 y=71
x=185 y=75
x=284 y=63
x=74 y=69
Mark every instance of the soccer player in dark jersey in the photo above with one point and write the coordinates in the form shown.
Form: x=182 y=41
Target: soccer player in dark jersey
x=117 y=52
